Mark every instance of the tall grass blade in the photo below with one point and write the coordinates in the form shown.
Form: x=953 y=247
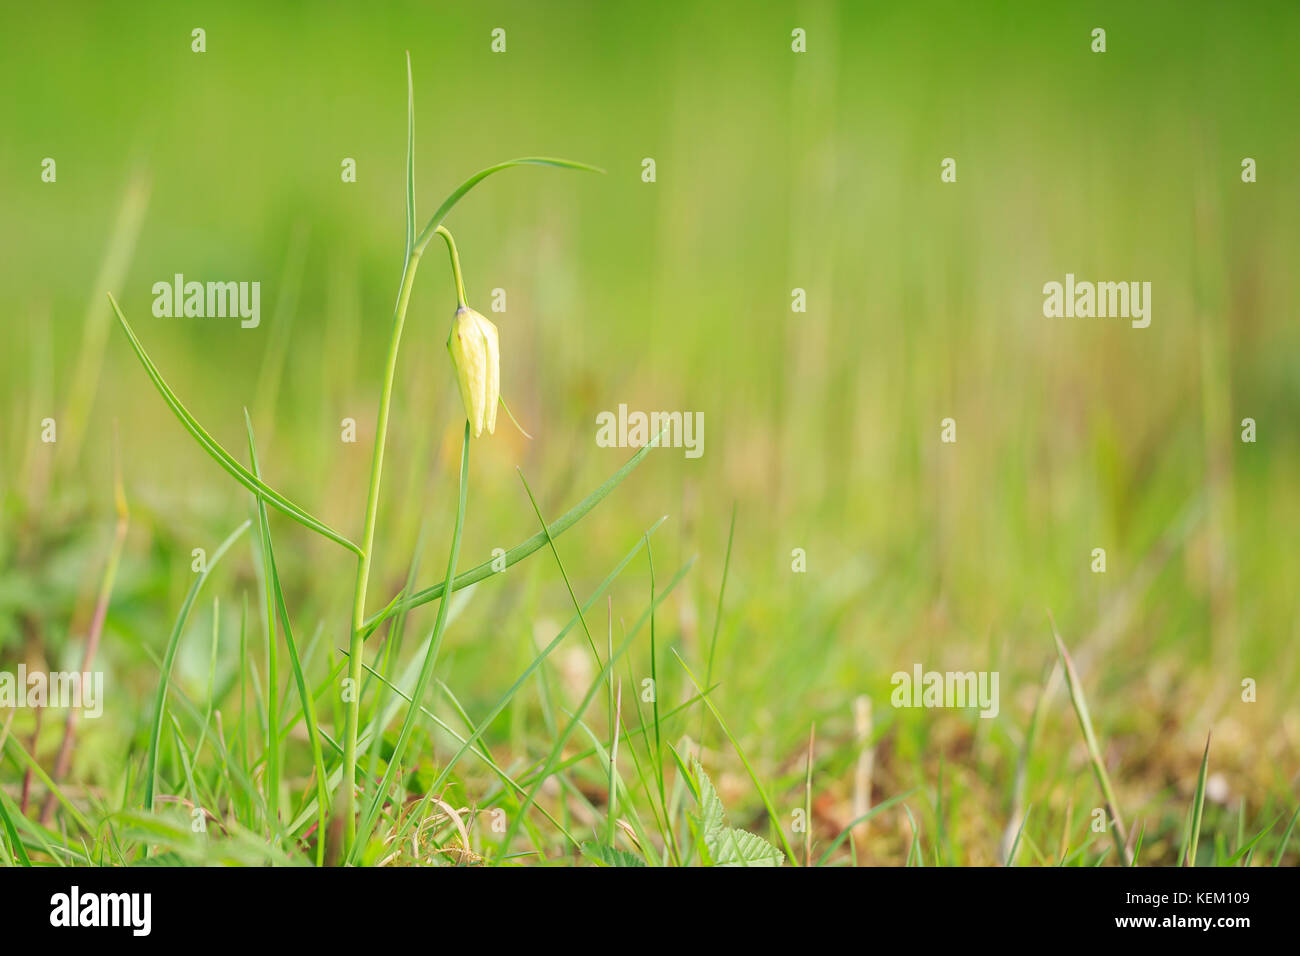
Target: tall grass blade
x=173 y=642
x=1198 y=807
x=1116 y=828
x=304 y=695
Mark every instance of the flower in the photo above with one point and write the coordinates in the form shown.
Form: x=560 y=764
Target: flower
x=476 y=356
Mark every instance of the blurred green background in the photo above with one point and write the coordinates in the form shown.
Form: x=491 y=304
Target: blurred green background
x=775 y=170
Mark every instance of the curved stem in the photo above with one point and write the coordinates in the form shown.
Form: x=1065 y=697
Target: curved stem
x=455 y=265
x=356 y=646
x=415 y=246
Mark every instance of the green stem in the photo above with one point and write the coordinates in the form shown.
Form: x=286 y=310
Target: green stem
x=356 y=646
x=455 y=266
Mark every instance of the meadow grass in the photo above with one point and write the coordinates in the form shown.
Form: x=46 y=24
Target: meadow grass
x=510 y=725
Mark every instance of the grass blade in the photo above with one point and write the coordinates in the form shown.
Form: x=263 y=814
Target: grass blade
x=1094 y=751
x=544 y=653
x=430 y=659
x=563 y=573
x=1244 y=849
x=173 y=642
x=14 y=839
x=1011 y=856
x=1286 y=838
x=308 y=703
x=878 y=808
x=1137 y=844
x=519 y=551
x=563 y=738
x=219 y=454
x=1198 y=806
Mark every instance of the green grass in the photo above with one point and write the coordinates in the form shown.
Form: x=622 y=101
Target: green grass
x=306 y=700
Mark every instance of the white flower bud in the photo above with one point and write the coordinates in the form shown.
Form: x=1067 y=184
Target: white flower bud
x=476 y=356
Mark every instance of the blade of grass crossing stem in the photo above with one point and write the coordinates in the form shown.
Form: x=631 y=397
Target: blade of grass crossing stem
x=505 y=699
x=219 y=454
x=304 y=695
x=169 y=656
x=519 y=551
x=1094 y=751
x=1198 y=806
x=430 y=659
x=762 y=792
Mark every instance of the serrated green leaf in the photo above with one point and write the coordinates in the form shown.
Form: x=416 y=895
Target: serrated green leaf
x=728 y=846
x=712 y=814
x=610 y=856
x=733 y=847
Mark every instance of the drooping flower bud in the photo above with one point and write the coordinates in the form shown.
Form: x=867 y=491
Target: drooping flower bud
x=476 y=356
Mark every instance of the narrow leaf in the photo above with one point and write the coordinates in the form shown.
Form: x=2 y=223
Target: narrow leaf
x=219 y=454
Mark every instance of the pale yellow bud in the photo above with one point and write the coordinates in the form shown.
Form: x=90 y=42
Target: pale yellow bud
x=476 y=356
